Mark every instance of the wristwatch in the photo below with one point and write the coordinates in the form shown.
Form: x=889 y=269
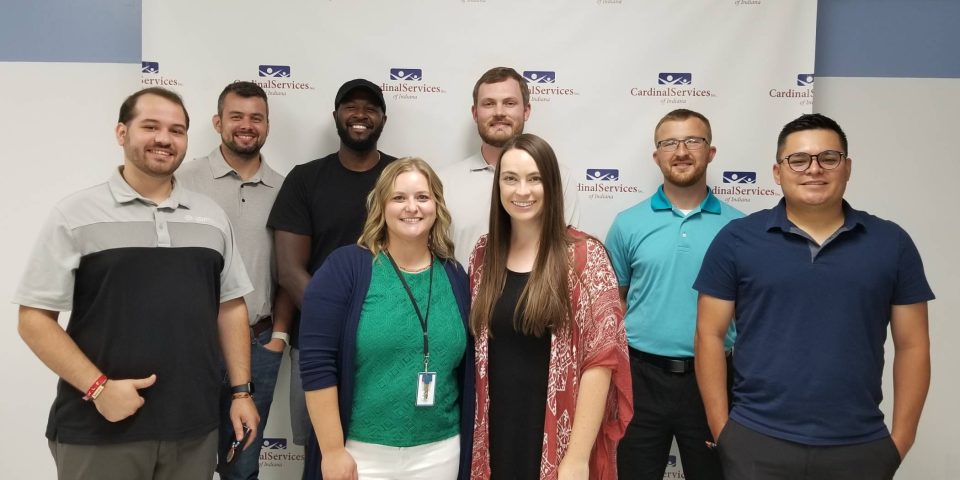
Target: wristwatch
x=282 y=336
x=242 y=388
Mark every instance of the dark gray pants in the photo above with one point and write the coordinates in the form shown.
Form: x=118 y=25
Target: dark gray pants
x=748 y=455
x=189 y=459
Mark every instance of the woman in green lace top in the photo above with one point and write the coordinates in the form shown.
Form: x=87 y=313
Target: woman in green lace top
x=384 y=343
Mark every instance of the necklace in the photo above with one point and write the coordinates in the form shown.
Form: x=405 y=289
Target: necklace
x=416 y=270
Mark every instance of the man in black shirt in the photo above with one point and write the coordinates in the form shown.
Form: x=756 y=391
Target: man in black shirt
x=322 y=206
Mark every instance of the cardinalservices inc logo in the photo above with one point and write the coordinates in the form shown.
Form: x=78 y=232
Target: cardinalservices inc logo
x=802 y=92
x=150 y=76
x=739 y=177
x=274 y=453
x=675 y=78
x=275 y=71
x=406 y=74
x=408 y=84
x=742 y=187
x=674 y=88
x=604 y=183
x=279 y=80
x=543 y=85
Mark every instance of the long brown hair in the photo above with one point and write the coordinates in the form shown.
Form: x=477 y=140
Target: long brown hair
x=544 y=301
x=374 y=235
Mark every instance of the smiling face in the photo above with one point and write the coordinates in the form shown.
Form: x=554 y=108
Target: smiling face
x=814 y=187
x=154 y=140
x=359 y=120
x=683 y=167
x=500 y=112
x=243 y=125
x=521 y=187
x=411 y=209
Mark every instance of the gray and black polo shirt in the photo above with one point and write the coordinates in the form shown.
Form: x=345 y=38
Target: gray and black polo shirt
x=144 y=283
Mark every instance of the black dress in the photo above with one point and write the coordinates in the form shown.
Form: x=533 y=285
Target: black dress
x=518 y=367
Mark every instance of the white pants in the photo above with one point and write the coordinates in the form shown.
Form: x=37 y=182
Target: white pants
x=432 y=461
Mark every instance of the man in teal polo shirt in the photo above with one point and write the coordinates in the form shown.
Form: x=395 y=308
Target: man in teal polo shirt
x=657 y=247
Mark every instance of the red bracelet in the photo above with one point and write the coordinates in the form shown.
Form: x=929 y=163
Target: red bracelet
x=94 y=391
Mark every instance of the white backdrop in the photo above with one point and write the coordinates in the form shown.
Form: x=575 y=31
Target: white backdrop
x=601 y=75
x=607 y=61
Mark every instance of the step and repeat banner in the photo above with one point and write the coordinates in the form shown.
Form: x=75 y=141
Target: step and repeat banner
x=601 y=74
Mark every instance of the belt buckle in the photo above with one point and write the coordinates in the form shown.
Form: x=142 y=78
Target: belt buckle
x=677 y=366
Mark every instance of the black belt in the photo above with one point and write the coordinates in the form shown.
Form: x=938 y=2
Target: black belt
x=265 y=323
x=668 y=364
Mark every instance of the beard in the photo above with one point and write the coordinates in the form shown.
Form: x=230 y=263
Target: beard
x=497 y=139
x=362 y=144
x=685 y=179
x=248 y=152
x=153 y=168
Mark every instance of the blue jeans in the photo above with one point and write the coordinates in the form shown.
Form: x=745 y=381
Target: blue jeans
x=264 y=365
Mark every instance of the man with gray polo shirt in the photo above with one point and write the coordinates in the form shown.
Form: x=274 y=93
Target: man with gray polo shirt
x=501 y=106
x=236 y=176
x=151 y=274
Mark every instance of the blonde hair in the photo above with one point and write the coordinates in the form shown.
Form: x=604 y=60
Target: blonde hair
x=374 y=235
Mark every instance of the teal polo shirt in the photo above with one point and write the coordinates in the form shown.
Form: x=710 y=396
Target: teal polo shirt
x=657 y=251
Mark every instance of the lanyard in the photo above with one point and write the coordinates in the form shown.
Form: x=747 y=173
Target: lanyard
x=423 y=319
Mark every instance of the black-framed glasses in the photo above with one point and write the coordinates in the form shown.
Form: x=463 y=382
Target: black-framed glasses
x=672 y=144
x=801 y=161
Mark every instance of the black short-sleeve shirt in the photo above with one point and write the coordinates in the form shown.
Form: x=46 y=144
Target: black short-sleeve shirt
x=327 y=202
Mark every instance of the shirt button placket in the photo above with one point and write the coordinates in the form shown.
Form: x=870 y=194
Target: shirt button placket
x=163 y=233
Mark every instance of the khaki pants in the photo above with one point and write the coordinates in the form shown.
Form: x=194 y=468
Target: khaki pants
x=189 y=459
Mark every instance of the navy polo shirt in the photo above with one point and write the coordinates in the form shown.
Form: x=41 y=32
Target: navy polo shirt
x=812 y=321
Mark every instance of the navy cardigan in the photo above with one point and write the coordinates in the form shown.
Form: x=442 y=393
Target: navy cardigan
x=329 y=319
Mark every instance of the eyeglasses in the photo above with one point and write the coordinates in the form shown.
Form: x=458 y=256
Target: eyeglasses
x=692 y=143
x=827 y=159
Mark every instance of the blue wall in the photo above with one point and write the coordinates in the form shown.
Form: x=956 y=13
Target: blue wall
x=855 y=38
x=88 y=31
x=888 y=38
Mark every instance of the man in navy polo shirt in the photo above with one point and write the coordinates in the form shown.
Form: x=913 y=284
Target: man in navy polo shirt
x=813 y=285
x=656 y=248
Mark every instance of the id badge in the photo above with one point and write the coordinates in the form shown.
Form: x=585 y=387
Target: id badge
x=426 y=386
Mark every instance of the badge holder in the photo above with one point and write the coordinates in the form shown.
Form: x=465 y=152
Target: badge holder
x=426 y=386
